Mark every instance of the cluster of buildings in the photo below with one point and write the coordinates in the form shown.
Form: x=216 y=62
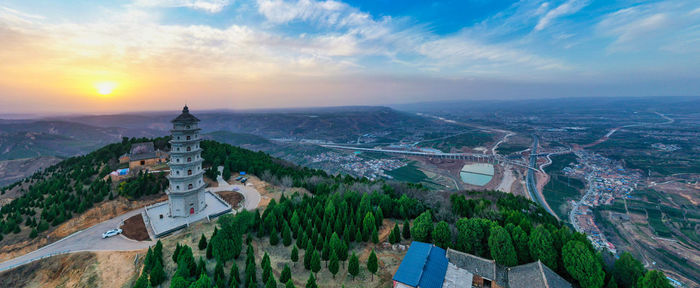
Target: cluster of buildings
x=606 y=180
x=665 y=147
x=352 y=164
x=428 y=266
x=373 y=169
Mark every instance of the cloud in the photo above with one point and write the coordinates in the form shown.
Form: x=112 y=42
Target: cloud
x=211 y=6
x=652 y=26
x=568 y=8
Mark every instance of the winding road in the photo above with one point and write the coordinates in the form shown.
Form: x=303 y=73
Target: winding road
x=89 y=239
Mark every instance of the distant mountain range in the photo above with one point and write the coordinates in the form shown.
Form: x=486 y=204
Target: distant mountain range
x=75 y=135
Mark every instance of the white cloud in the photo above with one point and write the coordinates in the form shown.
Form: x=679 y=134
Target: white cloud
x=211 y=6
x=652 y=26
x=568 y=8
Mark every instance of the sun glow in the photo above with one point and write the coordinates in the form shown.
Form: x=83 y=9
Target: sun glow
x=105 y=88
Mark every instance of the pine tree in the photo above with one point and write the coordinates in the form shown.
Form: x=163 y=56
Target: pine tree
x=201 y=267
x=148 y=260
x=315 y=262
x=372 y=264
x=271 y=283
x=333 y=265
x=219 y=275
x=326 y=252
x=142 y=282
x=234 y=277
x=375 y=236
x=202 y=242
x=176 y=253
x=286 y=274
x=286 y=235
x=295 y=255
x=354 y=265
x=290 y=284
x=274 y=238
x=157 y=274
x=308 y=253
x=209 y=251
x=311 y=282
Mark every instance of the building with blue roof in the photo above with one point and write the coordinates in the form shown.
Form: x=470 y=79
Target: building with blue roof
x=423 y=266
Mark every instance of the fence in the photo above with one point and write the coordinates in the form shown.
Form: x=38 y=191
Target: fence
x=34 y=259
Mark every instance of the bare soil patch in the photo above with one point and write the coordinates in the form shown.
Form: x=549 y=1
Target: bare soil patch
x=231 y=197
x=134 y=228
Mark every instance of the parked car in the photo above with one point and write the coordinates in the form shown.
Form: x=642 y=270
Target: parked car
x=244 y=180
x=111 y=233
x=239 y=178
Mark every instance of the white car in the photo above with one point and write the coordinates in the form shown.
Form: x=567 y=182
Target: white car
x=111 y=233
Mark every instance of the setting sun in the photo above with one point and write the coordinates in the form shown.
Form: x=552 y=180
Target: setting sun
x=105 y=88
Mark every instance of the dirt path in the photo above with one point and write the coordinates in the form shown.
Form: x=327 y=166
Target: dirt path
x=506 y=180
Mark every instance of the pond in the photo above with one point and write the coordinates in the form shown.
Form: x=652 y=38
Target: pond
x=478 y=174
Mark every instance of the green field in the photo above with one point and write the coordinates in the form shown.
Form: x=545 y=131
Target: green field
x=408 y=173
x=657 y=224
x=561 y=188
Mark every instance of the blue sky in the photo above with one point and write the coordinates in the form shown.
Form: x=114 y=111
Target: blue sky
x=308 y=52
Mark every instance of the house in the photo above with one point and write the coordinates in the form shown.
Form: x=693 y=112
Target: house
x=423 y=266
x=426 y=265
x=143 y=154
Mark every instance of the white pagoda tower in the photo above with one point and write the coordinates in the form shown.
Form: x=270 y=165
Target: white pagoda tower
x=186 y=193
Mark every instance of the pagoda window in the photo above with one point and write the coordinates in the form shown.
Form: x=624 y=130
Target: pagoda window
x=189 y=148
x=189 y=186
x=189 y=159
x=189 y=137
x=189 y=172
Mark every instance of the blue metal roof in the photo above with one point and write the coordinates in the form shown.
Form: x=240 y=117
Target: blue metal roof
x=423 y=266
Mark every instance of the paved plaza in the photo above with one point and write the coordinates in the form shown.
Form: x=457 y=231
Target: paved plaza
x=162 y=224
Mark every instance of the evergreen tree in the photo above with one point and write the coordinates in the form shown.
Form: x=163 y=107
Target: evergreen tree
x=219 y=275
x=290 y=284
x=202 y=242
x=286 y=274
x=326 y=252
x=627 y=271
x=442 y=236
x=501 y=247
x=295 y=255
x=353 y=265
x=202 y=282
x=142 y=281
x=315 y=262
x=158 y=251
x=201 y=267
x=395 y=235
x=582 y=265
x=274 y=238
x=234 y=276
x=210 y=253
x=33 y=234
x=372 y=264
x=333 y=264
x=358 y=236
x=406 y=229
x=286 y=235
x=654 y=279
x=368 y=225
x=148 y=261
x=422 y=227
x=311 y=282
x=176 y=253
x=179 y=282
x=520 y=242
x=157 y=274
x=542 y=248
x=267 y=268
x=271 y=283
x=375 y=236
x=308 y=253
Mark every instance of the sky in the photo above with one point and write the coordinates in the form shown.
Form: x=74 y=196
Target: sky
x=86 y=56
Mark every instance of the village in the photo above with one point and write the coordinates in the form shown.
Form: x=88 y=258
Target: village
x=606 y=180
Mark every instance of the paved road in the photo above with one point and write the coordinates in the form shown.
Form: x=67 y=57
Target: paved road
x=251 y=196
x=89 y=239
x=535 y=194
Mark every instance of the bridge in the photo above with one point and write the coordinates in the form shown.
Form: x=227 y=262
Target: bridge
x=473 y=157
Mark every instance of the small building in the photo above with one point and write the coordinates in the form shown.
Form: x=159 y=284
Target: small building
x=426 y=265
x=423 y=266
x=143 y=155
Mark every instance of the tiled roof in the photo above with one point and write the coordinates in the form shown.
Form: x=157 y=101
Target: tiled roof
x=185 y=117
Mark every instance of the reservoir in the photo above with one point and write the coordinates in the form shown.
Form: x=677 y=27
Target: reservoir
x=478 y=174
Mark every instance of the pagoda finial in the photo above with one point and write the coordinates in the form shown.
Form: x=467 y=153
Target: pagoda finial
x=185 y=109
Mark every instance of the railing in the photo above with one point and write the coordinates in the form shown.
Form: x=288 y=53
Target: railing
x=35 y=259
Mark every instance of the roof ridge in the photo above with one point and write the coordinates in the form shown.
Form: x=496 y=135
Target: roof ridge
x=544 y=277
x=422 y=269
x=473 y=256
